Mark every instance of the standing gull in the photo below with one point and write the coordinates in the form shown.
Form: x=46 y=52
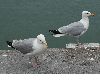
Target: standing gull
x=29 y=46
x=75 y=29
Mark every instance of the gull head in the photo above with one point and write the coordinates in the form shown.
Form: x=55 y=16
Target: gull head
x=41 y=39
x=87 y=13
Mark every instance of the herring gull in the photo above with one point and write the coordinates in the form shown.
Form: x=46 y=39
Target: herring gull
x=29 y=46
x=75 y=29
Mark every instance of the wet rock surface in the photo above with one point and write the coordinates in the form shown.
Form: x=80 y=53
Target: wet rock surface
x=52 y=61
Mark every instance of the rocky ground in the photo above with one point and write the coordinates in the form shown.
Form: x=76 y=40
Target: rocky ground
x=52 y=61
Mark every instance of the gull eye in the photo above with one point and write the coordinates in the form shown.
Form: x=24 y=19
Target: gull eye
x=40 y=40
x=87 y=13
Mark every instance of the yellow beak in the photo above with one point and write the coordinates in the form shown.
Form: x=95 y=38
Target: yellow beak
x=92 y=14
x=46 y=44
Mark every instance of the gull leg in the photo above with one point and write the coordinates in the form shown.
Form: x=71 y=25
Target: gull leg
x=37 y=60
x=77 y=41
x=30 y=58
x=36 y=63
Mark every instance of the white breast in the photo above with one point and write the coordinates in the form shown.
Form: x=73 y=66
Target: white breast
x=85 y=22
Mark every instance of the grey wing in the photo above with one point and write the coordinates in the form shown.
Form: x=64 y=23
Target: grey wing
x=73 y=29
x=24 y=46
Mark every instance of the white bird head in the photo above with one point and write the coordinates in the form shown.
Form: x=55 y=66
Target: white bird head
x=87 y=13
x=41 y=39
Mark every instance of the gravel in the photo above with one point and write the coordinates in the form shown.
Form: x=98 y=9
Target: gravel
x=52 y=61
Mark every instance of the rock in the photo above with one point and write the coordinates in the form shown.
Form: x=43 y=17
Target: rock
x=53 y=61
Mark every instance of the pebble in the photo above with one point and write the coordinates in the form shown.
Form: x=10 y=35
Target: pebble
x=5 y=55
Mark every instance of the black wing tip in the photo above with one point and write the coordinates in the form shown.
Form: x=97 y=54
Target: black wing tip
x=50 y=30
x=55 y=31
x=9 y=44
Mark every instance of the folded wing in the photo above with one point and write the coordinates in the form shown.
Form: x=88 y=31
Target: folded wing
x=24 y=46
x=74 y=29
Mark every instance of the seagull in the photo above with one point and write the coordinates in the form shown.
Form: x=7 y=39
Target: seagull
x=75 y=29
x=29 y=46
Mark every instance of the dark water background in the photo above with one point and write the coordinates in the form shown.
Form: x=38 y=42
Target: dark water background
x=21 y=19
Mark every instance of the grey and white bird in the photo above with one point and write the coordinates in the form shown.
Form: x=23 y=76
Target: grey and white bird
x=75 y=29
x=29 y=46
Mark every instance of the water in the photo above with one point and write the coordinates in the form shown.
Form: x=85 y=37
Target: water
x=21 y=19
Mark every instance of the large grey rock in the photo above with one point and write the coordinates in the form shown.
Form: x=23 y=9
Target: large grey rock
x=84 y=45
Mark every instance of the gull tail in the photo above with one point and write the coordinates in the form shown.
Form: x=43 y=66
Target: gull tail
x=56 y=33
x=10 y=44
